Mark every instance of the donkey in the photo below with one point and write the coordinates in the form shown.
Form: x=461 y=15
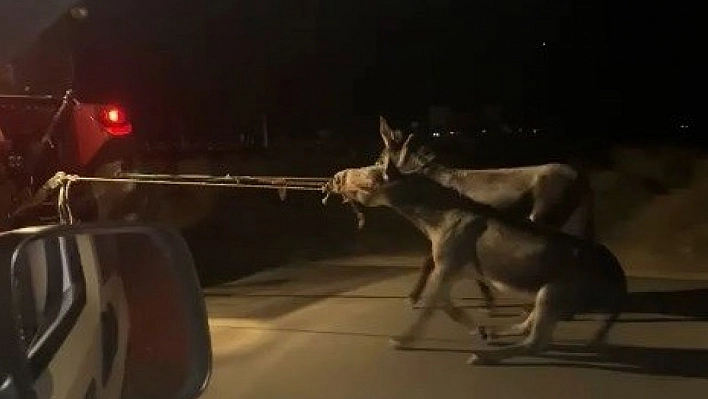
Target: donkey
x=565 y=274
x=552 y=194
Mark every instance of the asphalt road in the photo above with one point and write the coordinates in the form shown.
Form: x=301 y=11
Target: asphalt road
x=320 y=329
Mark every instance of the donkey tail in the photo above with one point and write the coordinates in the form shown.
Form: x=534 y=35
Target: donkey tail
x=581 y=221
x=616 y=298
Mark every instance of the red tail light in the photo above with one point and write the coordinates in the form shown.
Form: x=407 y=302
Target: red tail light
x=115 y=120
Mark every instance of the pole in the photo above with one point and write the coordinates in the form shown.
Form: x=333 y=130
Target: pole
x=265 y=130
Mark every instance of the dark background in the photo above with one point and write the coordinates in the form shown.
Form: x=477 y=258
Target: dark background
x=594 y=68
x=595 y=71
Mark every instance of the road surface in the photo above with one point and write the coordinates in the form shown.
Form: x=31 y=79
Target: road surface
x=320 y=330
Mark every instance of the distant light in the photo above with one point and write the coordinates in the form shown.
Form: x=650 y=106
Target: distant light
x=79 y=12
x=543 y=44
x=436 y=134
x=453 y=133
x=484 y=130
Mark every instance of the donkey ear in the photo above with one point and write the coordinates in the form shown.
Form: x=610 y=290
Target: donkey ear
x=408 y=141
x=404 y=147
x=390 y=136
x=385 y=132
x=391 y=172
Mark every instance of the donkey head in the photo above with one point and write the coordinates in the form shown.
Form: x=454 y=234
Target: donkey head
x=366 y=185
x=400 y=150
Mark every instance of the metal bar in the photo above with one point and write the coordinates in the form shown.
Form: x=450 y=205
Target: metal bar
x=225 y=177
x=234 y=184
x=225 y=182
x=47 y=137
x=28 y=97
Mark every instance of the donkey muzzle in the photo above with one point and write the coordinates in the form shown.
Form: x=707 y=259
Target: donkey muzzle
x=333 y=186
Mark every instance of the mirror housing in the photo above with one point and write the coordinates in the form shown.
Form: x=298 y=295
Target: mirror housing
x=122 y=301
x=7 y=387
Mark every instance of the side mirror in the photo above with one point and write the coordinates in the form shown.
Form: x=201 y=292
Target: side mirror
x=102 y=310
x=7 y=388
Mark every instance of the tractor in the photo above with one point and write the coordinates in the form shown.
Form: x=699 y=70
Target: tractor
x=45 y=127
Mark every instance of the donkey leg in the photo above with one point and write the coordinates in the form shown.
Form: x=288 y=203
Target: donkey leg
x=425 y=270
x=600 y=337
x=522 y=328
x=440 y=284
x=546 y=315
x=487 y=296
x=461 y=317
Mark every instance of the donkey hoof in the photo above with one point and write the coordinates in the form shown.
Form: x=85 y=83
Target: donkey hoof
x=477 y=359
x=473 y=359
x=399 y=341
x=597 y=343
x=492 y=311
x=483 y=333
x=526 y=310
x=413 y=302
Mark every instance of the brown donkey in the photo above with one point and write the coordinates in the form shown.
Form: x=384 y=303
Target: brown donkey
x=564 y=274
x=554 y=194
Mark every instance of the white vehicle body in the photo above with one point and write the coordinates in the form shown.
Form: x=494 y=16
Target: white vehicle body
x=79 y=350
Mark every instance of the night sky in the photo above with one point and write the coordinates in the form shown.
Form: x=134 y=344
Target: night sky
x=596 y=65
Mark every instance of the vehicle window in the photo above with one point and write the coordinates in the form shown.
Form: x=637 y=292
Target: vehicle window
x=49 y=292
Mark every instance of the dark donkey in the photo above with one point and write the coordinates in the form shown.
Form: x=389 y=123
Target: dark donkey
x=553 y=194
x=565 y=274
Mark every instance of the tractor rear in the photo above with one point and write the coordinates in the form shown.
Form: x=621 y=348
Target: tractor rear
x=43 y=134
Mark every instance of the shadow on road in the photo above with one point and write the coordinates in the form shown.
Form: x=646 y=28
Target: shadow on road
x=687 y=303
x=680 y=305
x=664 y=306
x=633 y=359
x=668 y=362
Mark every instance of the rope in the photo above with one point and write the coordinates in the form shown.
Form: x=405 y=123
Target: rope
x=210 y=177
x=63 y=204
x=63 y=181
x=270 y=182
